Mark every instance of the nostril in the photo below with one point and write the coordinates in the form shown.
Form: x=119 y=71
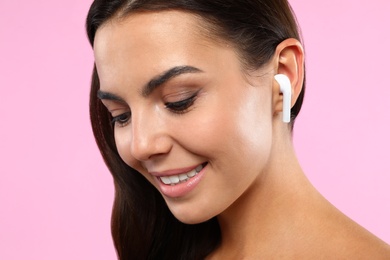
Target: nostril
x=146 y=148
x=140 y=150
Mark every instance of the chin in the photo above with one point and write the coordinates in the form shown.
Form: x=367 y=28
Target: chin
x=191 y=216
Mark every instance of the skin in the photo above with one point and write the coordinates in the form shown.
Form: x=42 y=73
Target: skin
x=253 y=182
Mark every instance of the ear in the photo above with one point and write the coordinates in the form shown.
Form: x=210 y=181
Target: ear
x=288 y=60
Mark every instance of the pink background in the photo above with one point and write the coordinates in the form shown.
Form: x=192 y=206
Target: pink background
x=55 y=192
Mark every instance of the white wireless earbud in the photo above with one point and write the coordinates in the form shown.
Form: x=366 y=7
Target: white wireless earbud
x=285 y=89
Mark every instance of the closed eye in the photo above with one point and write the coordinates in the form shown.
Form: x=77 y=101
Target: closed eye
x=122 y=119
x=181 y=106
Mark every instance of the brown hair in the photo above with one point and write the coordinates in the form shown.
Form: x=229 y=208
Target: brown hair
x=142 y=225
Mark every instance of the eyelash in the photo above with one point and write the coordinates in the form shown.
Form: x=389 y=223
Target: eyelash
x=181 y=106
x=122 y=119
x=178 y=107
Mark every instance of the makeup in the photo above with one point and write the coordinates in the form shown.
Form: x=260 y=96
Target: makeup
x=178 y=183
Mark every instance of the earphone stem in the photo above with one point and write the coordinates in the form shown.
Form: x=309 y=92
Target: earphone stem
x=285 y=89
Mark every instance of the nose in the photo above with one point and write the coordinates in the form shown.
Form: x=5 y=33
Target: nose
x=150 y=138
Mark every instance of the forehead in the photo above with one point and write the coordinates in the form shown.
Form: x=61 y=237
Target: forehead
x=145 y=44
x=153 y=30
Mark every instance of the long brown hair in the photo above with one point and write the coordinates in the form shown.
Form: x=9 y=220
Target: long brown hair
x=142 y=225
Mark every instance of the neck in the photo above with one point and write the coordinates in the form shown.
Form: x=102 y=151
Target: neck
x=282 y=215
x=271 y=208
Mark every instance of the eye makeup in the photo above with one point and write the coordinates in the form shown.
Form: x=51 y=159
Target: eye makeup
x=121 y=120
x=181 y=106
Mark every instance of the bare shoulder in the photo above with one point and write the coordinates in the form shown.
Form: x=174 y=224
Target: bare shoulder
x=326 y=233
x=346 y=239
x=363 y=244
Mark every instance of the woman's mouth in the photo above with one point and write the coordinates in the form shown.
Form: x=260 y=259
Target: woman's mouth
x=183 y=177
x=177 y=183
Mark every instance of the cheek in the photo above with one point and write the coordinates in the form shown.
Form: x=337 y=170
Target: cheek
x=228 y=131
x=255 y=130
x=123 y=143
x=242 y=139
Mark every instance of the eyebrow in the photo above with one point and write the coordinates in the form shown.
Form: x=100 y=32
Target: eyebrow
x=109 y=96
x=166 y=76
x=154 y=82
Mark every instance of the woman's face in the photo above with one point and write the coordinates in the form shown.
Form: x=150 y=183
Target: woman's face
x=186 y=116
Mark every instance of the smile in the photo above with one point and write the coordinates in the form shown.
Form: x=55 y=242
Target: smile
x=180 y=178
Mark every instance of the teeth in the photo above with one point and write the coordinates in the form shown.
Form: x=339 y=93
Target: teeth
x=175 y=179
x=199 y=168
x=192 y=173
x=183 y=177
x=166 y=180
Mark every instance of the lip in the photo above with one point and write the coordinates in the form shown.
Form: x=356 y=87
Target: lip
x=174 y=171
x=180 y=189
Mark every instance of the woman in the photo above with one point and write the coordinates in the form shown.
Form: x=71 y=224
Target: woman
x=187 y=113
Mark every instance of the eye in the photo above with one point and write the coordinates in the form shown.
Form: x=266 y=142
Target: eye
x=182 y=105
x=122 y=119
